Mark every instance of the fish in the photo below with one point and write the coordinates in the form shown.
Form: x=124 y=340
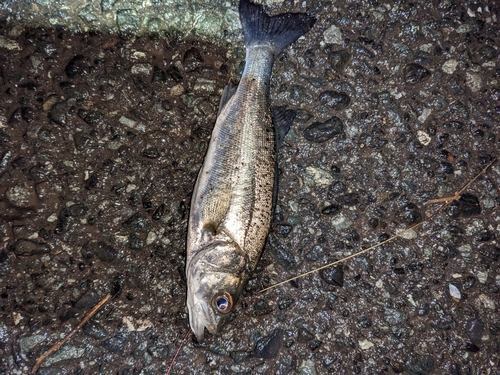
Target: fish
x=232 y=200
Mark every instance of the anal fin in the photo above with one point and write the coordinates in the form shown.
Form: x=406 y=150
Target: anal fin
x=227 y=94
x=282 y=119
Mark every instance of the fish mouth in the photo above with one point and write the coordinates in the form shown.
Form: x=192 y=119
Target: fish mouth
x=198 y=328
x=201 y=318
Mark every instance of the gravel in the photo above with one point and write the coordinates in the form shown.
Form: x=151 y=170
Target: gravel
x=103 y=131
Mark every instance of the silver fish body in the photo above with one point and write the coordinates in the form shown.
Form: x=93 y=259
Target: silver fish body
x=231 y=205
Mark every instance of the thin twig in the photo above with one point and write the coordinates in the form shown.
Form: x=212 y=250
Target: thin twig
x=477 y=176
x=54 y=348
x=177 y=352
x=458 y=194
x=445 y=201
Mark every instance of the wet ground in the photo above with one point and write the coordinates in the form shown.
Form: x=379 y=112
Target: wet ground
x=101 y=138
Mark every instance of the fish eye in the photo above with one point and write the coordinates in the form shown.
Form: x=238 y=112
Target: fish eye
x=223 y=302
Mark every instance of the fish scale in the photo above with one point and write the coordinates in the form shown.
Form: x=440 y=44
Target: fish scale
x=232 y=200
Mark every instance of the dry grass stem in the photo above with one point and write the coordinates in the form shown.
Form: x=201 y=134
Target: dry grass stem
x=54 y=348
x=445 y=202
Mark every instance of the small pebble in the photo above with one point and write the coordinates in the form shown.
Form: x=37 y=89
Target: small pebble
x=269 y=346
x=331 y=210
x=420 y=364
x=475 y=328
x=307 y=368
x=334 y=99
x=341 y=222
x=9 y=44
x=304 y=335
x=333 y=275
x=474 y=81
x=365 y=344
x=454 y=293
x=177 y=90
x=29 y=248
x=415 y=73
x=408 y=234
x=143 y=68
x=22 y=195
x=450 y=66
x=482 y=277
x=423 y=137
x=315 y=176
x=323 y=131
x=394 y=316
x=333 y=35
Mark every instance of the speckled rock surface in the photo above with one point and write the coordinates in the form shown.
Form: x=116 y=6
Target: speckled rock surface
x=101 y=138
x=209 y=20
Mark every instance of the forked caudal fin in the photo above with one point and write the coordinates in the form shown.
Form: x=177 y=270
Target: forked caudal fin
x=280 y=30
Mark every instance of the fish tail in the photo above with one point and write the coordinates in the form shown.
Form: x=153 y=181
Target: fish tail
x=280 y=30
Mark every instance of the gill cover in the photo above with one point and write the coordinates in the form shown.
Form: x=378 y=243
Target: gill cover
x=216 y=274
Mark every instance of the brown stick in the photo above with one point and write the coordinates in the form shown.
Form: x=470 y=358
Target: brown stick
x=177 y=352
x=54 y=348
x=446 y=201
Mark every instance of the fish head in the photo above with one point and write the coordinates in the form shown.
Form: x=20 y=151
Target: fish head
x=215 y=278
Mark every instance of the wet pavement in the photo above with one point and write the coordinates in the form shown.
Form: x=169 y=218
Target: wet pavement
x=101 y=138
